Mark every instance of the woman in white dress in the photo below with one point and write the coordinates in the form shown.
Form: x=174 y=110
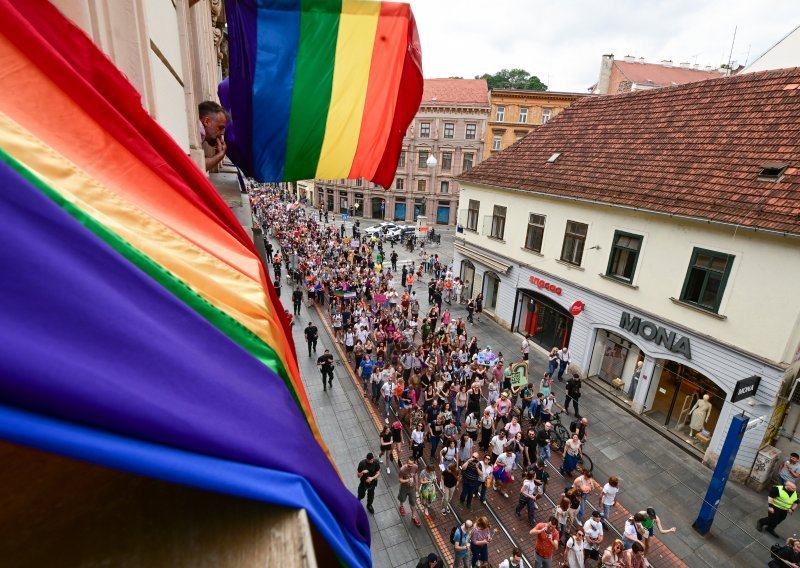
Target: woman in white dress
x=574 y=550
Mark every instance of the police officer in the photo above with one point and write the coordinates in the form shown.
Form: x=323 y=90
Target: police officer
x=325 y=364
x=782 y=501
x=311 y=337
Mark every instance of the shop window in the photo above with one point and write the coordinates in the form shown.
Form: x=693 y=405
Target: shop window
x=449 y=129
x=471 y=131
x=624 y=256
x=574 y=240
x=498 y=222
x=706 y=279
x=472 y=214
x=447 y=161
x=535 y=234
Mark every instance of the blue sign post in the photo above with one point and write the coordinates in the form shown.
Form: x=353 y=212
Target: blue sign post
x=726 y=457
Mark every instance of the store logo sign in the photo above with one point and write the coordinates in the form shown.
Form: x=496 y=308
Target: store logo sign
x=655 y=333
x=541 y=284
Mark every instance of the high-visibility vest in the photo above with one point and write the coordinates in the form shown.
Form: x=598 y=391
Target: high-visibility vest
x=784 y=500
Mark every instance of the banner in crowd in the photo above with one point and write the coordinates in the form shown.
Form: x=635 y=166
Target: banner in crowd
x=139 y=329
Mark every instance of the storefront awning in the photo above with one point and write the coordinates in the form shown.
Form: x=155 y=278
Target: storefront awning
x=489 y=260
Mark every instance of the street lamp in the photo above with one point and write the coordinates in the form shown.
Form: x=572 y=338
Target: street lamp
x=431 y=161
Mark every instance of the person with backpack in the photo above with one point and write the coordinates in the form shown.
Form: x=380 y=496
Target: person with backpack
x=513 y=561
x=459 y=537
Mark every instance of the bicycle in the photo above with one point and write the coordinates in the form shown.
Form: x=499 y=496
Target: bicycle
x=560 y=436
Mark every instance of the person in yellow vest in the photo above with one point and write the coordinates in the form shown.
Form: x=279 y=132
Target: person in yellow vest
x=782 y=501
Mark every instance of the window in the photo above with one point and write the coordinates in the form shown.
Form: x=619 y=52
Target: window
x=498 y=222
x=535 y=234
x=401 y=163
x=358 y=182
x=422 y=185
x=467 y=162
x=449 y=129
x=624 y=255
x=445 y=187
x=400 y=184
x=497 y=142
x=424 y=129
x=447 y=161
x=705 y=281
x=471 y=131
x=523 y=115
x=423 y=159
x=772 y=172
x=574 y=239
x=546 y=114
x=472 y=214
x=520 y=137
x=500 y=116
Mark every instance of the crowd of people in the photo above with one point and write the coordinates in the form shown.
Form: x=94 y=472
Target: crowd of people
x=467 y=423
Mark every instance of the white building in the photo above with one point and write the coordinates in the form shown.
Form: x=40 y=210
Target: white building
x=784 y=54
x=661 y=228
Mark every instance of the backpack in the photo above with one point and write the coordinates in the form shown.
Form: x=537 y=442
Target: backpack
x=453 y=532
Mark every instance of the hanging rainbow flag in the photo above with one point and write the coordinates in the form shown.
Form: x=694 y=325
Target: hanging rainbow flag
x=321 y=88
x=138 y=328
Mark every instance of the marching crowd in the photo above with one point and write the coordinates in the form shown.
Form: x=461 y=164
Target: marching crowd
x=470 y=428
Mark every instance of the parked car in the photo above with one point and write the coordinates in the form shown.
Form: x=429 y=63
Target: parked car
x=382 y=228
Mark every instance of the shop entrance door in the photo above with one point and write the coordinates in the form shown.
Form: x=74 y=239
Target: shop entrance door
x=468 y=278
x=491 y=285
x=548 y=324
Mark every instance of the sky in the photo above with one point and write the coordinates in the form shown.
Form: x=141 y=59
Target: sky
x=562 y=41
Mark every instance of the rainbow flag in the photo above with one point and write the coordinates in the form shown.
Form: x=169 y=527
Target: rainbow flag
x=321 y=88
x=138 y=327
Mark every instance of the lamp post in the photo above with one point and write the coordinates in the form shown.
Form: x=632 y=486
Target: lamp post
x=431 y=161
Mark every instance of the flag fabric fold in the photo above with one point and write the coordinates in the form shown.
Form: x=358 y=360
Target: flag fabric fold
x=321 y=88
x=138 y=327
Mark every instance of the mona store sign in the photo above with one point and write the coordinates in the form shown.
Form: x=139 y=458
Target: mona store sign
x=657 y=334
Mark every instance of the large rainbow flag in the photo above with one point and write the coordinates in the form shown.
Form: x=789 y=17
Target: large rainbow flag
x=138 y=329
x=321 y=88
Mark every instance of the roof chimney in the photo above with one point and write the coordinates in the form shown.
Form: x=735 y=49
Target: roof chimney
x=686 y=65
x=629 y=59
x=605 y=74
x=666 y=62
x=641 y=60
x=696 y=66
x=708 y=68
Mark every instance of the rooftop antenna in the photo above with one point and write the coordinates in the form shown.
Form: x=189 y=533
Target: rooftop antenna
x=730 y=55
x=747 y=59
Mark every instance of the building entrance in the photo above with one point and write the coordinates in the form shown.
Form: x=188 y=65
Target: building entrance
x=548 y=324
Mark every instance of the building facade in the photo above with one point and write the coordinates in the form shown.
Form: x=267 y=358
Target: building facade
x=450 y=126
x=664 y=288
x=515 y=112
x=632 y=74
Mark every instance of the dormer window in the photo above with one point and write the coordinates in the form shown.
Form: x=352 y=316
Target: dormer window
x=772 y=172
x=552 y=159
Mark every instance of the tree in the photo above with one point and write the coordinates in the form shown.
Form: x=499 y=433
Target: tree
x=513 y=79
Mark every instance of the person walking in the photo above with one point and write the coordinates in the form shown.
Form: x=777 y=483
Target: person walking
x=427 y=488
x=564 y=359
x=571 y=455
x=573 y=388
x=479 y=541
x=513 y=561
x=470 y=480
x=479 y=305
x=311 y=334
x=470 y=310
x=386 y=447
x=574 y=550
x=790 y=470
x=418 y=440
x=461 y=544
x=528 y=494
x=449 y=482
x=609 y=498
x=325 y=364
x=612 y=557
x=297 y=299
x=525 y=348
x=407 y=476
x=369 y=470
x=546 y=543
x=782 y=501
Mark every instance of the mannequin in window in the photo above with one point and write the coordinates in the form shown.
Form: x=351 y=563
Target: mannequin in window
x=699 y=414
x=637 y=374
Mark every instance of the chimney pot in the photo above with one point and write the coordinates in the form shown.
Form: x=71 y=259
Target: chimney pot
x=686 y=65
x=629 y=59
x=666 y=62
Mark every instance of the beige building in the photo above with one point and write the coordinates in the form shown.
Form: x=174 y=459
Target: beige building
x=515 y=112
x=667 y=285
x=450 y=126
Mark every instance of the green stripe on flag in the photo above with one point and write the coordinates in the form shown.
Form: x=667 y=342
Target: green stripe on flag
x=313 y=81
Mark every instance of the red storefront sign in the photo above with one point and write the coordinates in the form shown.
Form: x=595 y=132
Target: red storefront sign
x=542 y=285
x=577 y=308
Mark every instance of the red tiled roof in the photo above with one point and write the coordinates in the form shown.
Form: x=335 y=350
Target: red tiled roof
x=455 y=91
x=659 y=75
x=694 y=150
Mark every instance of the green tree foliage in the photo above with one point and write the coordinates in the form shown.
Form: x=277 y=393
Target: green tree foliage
x=513 y=79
